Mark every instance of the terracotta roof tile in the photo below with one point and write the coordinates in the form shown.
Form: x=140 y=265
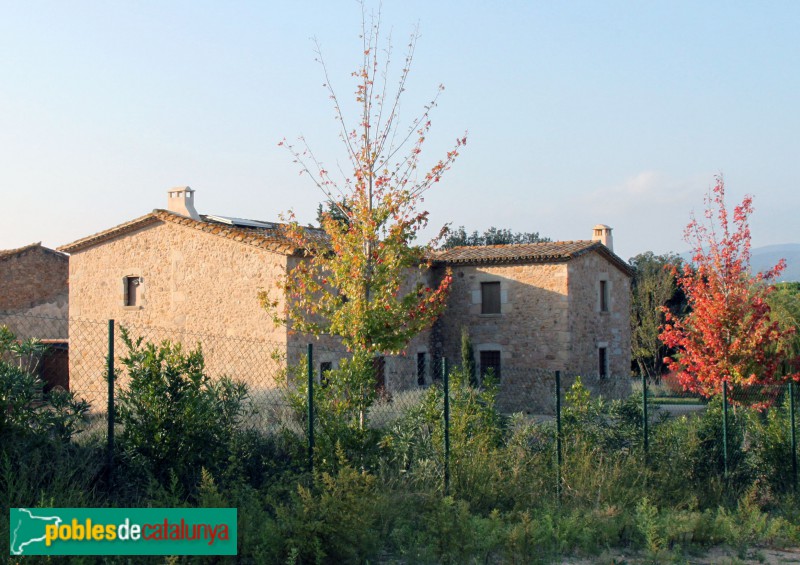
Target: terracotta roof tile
x=277 y=238
x=548 y=252
x=9 y=253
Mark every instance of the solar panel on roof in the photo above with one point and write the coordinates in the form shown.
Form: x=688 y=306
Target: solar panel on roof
x=241 y=222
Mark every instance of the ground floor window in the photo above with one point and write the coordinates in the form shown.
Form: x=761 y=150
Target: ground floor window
x=490 y=361
x=379 y=368
x=324 y=368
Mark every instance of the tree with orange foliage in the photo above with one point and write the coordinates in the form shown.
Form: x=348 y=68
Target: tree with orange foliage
x=728 y=334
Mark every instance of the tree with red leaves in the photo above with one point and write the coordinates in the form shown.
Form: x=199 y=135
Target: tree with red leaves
x=729 y=334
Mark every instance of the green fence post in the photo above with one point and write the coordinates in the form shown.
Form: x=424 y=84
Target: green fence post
x=792 y=435
x=558 y=435
x=645 y=422
x=725 y=427
x=311 y=410
x=446 y=386
x=111 y=412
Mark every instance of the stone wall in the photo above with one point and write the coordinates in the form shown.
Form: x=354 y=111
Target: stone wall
x=550 y=320
x=196 y=288
x=33 y=283
x=531 y=330
x=399 y=371
x=591 y=328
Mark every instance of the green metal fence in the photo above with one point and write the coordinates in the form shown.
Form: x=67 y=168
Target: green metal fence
x=289 y=392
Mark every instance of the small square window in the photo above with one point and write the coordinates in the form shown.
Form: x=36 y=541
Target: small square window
x=132 y=287
x=490 y=361
x=490 y=297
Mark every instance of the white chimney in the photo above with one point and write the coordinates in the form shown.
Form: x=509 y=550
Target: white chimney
x=181 y=201
x=602 y=233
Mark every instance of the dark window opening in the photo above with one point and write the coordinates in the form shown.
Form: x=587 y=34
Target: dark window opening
x=421 y=368
x=132 y=290
x=604 y=296
x=490 y=362
x=379 y=369
x=602 y=358
x=490 y=297
x=324 y=368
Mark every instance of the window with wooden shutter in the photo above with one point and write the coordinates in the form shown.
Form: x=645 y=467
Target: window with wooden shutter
x=490 y=297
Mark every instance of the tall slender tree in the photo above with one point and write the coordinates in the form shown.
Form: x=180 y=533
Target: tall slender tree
x=365 y=280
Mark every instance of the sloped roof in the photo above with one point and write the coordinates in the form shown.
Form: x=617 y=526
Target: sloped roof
x=275 y=238
x=547 y=252
x=9 y=253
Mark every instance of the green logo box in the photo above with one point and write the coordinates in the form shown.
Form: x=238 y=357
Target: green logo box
x=122 y=531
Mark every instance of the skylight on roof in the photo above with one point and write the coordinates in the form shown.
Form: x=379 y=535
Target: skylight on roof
x=241 y=222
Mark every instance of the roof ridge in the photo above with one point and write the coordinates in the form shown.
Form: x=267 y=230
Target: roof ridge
x=540 y=252
x=272 y=239
x=505 y=245
x=8 y=253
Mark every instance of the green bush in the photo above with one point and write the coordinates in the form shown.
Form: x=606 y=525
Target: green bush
x=175 y=419
x=25 y=409
x=336 y=522
x=771 y=446
x=341 y=407
x=40 y=465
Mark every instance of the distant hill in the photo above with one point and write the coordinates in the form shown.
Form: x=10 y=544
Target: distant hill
x=763 y=258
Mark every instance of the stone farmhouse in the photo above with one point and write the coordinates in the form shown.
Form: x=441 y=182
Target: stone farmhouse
x=33 y=280
x=532 y=309
x=542 y=307
x=34 y=303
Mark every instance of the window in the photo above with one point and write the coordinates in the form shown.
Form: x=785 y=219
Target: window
x=490 y=360
x=604 y=296
x=324 y=368
x=421 y=368
x=379 y=368
x=490 y=297
x=132 y=290
x=602 y=359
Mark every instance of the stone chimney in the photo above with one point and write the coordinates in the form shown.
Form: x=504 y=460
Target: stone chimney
x=602 y=233
x=181 y=201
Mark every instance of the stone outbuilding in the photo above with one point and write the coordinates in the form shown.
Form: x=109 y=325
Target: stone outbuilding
x=34 y=302
x=533 y=309
x=33 y=280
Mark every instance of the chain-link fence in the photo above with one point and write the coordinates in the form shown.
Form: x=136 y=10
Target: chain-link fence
x=291 y=384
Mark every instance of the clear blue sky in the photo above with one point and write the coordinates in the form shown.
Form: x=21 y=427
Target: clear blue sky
x=578 y=112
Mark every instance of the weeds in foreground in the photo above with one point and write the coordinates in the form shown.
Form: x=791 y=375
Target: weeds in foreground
x=502 y=505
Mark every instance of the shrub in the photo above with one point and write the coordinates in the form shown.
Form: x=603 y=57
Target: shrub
x=175 y=419
x=334 y=523
x=25 y=409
